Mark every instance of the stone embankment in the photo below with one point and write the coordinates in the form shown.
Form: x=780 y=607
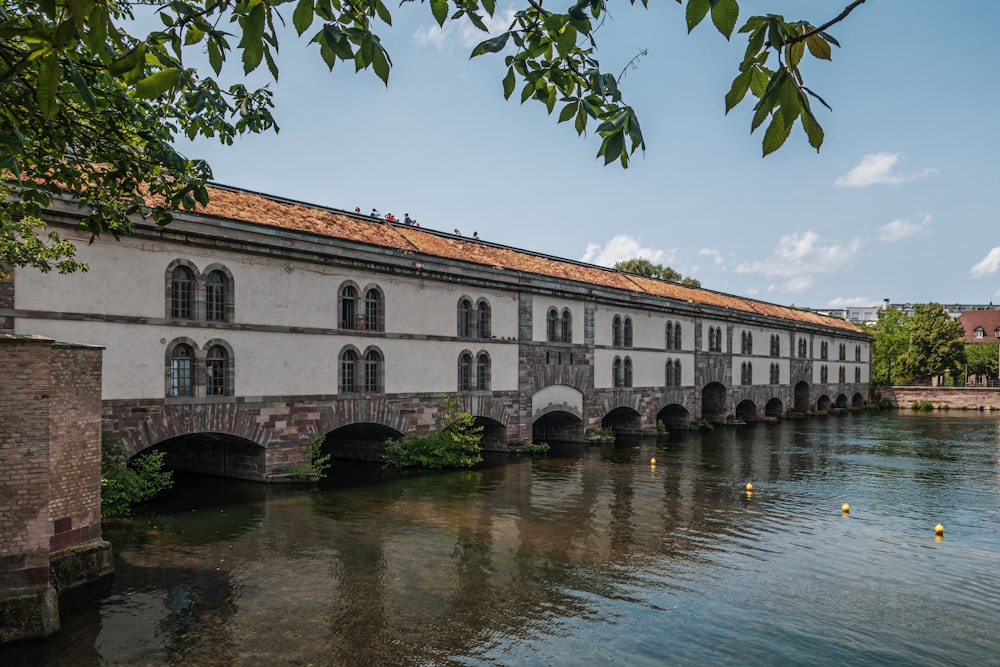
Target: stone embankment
x=954 y=398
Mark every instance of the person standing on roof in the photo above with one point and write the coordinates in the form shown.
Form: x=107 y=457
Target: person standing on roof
x=407 y=219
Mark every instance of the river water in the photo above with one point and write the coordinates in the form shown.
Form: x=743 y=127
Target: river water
x=590 y=556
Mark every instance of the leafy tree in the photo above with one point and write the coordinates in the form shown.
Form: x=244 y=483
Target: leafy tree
x=90 y=107
x=125 y=483
x=982 y=359
x=454 y=443
x=891 y=340
x=644 y=267
x=936 y=344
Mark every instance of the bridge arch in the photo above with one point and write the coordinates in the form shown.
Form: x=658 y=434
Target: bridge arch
x=713 y=401
x=363 y=441
x=800 y=401
x=746 y=410
x=823 y=403
x=858 y=401
x=674 y=416
x=219 y=454
x=494 y=432
x=623 y=419
x=841 y=401
x=774 y=408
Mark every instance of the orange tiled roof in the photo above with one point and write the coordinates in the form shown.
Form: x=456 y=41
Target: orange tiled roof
x=260 y=209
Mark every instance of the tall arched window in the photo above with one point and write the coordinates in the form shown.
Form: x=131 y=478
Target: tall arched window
x=996 y=332
x=373 y=371
x=627 y=331
x=616 y=372
x=842 y=352
x=677 y=372
x=670 y=336
x=670 y=373
x=775 y=374
x=348 y=371
x=182 y=293
x=182 y=370
x=483 y=319
x=842 y=375
x=775 y=345
x=465 y=372
x=348 y=307
x=677 y=336
x=374 y=310
x=567 y=326
x=627 y=372
x=483 y=372
x=823 y=374
x=552 y=325
x=746 y=373
x=824 y=350
x=857 y=373
x=803 y=348
x=857 y=353
x=215 y=296
x=216 y=371
x=464 y=318
x=616 y=331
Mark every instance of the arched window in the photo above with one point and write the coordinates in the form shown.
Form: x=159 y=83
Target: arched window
x=677 y=372
x=465 y=372
x=374 y=310
x=715 y=339
x=216 y=371
x=483 y=372
x=373 y=371
x=567 y=326
x=824 y=349
x=483 y=319
x=857 y=353
x=627 y=379
x=627 y=331
x=803 y=348
x=348 y=307
x=182 y=370
x=348 y=371
x=746 y=373
x=552 y=325
x=616 y=331
x=842 y=352
x=464 y=318
x=670 y=336
x=182 y=293
x=823 y=374
x=857 y=373
x=775 y=374
x=842 y=375
x=670 y=373
x=775 y=345
x=215 y=296
x=979 y=332
x=996 y=332
x=677 y=336
x=616 y=372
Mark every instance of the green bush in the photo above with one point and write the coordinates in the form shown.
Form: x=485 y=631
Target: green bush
x=922 y=406
x=660 y=426
x=453 y=444
x=539 y=449
x=318 y=463
x=125 y=483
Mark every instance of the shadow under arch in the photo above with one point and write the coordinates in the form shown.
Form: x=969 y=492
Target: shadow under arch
x=858 y=401
x=557 y=425
x=746 y=410
x=774 y=408
x=363 y=441
x=823 y=403
x=713 y=402
x=209 y=453
x=674 y=416
x=841 y=401
x=494 y=433
x=800 y=401
x=623 y=420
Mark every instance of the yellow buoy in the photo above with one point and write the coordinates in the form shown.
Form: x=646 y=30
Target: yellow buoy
x=939 y=529
x=652 y=462
x=846 y=508
x=749 y=486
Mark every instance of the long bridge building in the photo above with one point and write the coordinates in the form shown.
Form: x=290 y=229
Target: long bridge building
x=236 y=335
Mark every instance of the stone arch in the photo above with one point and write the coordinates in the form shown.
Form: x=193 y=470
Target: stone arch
x=713 y=401
x=557 y=398
x=215 y=453
x=774 y=408
x=841 y=401
x=746 y=410
x=623 y=420
x=494 y=432
x=674 y=416
x=823 y=403
x=857 y=400
x=800 y=401
x=359 y=441
x=357 y=410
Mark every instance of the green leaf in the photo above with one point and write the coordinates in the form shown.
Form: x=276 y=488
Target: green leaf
x=157 y=83
x=508 y=83
x=776 y=134
x=725 y=13
x=813 y=130
x=215 y=56
x=48 y=83
x=303 y=15
x=439 y=8
x=613 y=147
x=491 y=45
x=383 y=12
x=819 y=47
x=380 y=62
x=568 y=111
x=566 y=41
x=81 y=86
x=581 y=120
x=697 y=10
x=739 y=89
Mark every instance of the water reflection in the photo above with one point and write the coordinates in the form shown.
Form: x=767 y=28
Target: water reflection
x=588 y=556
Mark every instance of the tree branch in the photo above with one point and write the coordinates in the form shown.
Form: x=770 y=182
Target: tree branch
x=837 y=19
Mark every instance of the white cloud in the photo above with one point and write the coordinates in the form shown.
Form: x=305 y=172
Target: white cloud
x=716 y=256
x=876 y=168
x=988 y=265
x=798 y=258
x=900 y=229
x=622 y=247
x=462 y=32
x=851 y=302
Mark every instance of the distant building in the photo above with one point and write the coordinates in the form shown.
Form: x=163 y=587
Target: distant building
x=869 y=314
x=981 y=326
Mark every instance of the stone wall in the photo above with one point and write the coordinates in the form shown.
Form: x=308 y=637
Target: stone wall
x=50 y=528
x=955 y=398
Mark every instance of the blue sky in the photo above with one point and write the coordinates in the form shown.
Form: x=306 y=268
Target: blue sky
x=901 y=202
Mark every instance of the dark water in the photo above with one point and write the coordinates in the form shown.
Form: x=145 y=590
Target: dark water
x=588 y=557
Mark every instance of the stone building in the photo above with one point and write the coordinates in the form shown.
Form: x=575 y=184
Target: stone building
x=236 y=335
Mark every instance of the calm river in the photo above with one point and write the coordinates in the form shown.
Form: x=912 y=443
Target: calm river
x=587 y=557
